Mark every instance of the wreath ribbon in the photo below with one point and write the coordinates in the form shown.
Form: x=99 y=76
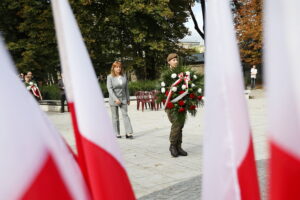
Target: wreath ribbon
x=186 y=79
x=36 y=92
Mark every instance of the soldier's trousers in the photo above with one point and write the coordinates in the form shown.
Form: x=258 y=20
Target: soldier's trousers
x=176 y=130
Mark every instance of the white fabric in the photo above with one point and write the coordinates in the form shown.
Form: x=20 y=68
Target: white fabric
x=26 y=136
x=227 y=130
x=282 y=72
x=82 y=87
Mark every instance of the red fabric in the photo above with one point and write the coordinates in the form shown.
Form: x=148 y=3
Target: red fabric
x=48 y=184
x=107 y=179
x=284 y=176
x=79 y=147
x=247 y=176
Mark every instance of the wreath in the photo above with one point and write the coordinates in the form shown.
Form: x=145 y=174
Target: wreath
x=33 y=88
x=181 y=91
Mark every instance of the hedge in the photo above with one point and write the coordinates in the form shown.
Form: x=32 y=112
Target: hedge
x=52 y=92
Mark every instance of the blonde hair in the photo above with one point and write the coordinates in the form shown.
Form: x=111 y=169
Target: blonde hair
x=116 y=64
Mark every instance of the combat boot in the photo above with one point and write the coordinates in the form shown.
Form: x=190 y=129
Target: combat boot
x=180 y=151
x=173 y=150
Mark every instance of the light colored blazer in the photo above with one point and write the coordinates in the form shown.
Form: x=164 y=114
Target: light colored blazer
x=117 y=90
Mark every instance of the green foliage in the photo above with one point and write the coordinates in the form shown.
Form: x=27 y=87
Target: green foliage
x=104 y=89
x=139 y=33
x=28 y=28
x=176 y=78
x=50 y=92
x=141 y=86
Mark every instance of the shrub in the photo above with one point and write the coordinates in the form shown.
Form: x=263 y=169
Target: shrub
x=104 y=90
x=142 y=86
x=50 y=92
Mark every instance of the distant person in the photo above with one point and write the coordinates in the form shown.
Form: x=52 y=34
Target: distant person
x=32 y=87
x=101 y=78
x=62 y=93
x=21 y=76
x=30 y=76
x=117 y=86
x=253 y=76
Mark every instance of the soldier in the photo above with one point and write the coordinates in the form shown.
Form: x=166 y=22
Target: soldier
x=177 y=126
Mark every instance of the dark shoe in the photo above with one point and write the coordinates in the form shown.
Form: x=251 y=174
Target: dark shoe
x=181 y=152
x=173 y=150
x=129 y=136
x=119 y=136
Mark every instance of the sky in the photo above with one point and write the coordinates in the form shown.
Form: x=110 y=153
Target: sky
x=194 y=37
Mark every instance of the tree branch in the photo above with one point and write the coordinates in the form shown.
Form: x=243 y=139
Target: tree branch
x=196 y=23
x=203 y=13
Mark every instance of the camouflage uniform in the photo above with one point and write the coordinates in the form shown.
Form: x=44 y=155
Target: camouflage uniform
x=176 y=130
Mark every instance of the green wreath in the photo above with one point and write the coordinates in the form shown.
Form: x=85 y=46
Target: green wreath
x=181 y=91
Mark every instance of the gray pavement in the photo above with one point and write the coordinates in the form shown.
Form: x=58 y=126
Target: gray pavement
x=154 y=174
x=191 y=188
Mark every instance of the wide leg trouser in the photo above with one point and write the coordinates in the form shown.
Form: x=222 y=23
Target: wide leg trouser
x=116 y=121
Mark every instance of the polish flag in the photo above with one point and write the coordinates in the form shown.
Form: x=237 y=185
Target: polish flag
x=282 y=71
x=229 y=171
x=35 y=162
x=98 y=153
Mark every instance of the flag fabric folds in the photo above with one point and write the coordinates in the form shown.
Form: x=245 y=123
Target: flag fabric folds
x=98 y=153
x=282 y=47
x=229 y=170
x=35 y=161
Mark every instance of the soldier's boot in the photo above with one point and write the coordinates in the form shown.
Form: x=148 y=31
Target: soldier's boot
x=180 y=151
x=173 y=150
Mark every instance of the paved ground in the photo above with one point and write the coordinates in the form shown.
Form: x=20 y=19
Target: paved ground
x=191 y=188
x=154 y=174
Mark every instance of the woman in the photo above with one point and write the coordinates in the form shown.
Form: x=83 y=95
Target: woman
x=119 y=98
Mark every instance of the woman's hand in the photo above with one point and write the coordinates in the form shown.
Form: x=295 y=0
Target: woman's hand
x=118 y=102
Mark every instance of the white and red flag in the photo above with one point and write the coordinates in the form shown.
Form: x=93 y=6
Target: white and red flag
x=98 y=152
x=282 y=31
x=35 y=162
x=229 y=171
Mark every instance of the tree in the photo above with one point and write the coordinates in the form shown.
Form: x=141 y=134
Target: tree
x=28 y=29
x=203 y=9
x=154 y=28
x=140 y=33
x=248 y=23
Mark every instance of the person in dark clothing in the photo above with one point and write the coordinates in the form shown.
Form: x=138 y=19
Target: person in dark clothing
x=62 y=94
